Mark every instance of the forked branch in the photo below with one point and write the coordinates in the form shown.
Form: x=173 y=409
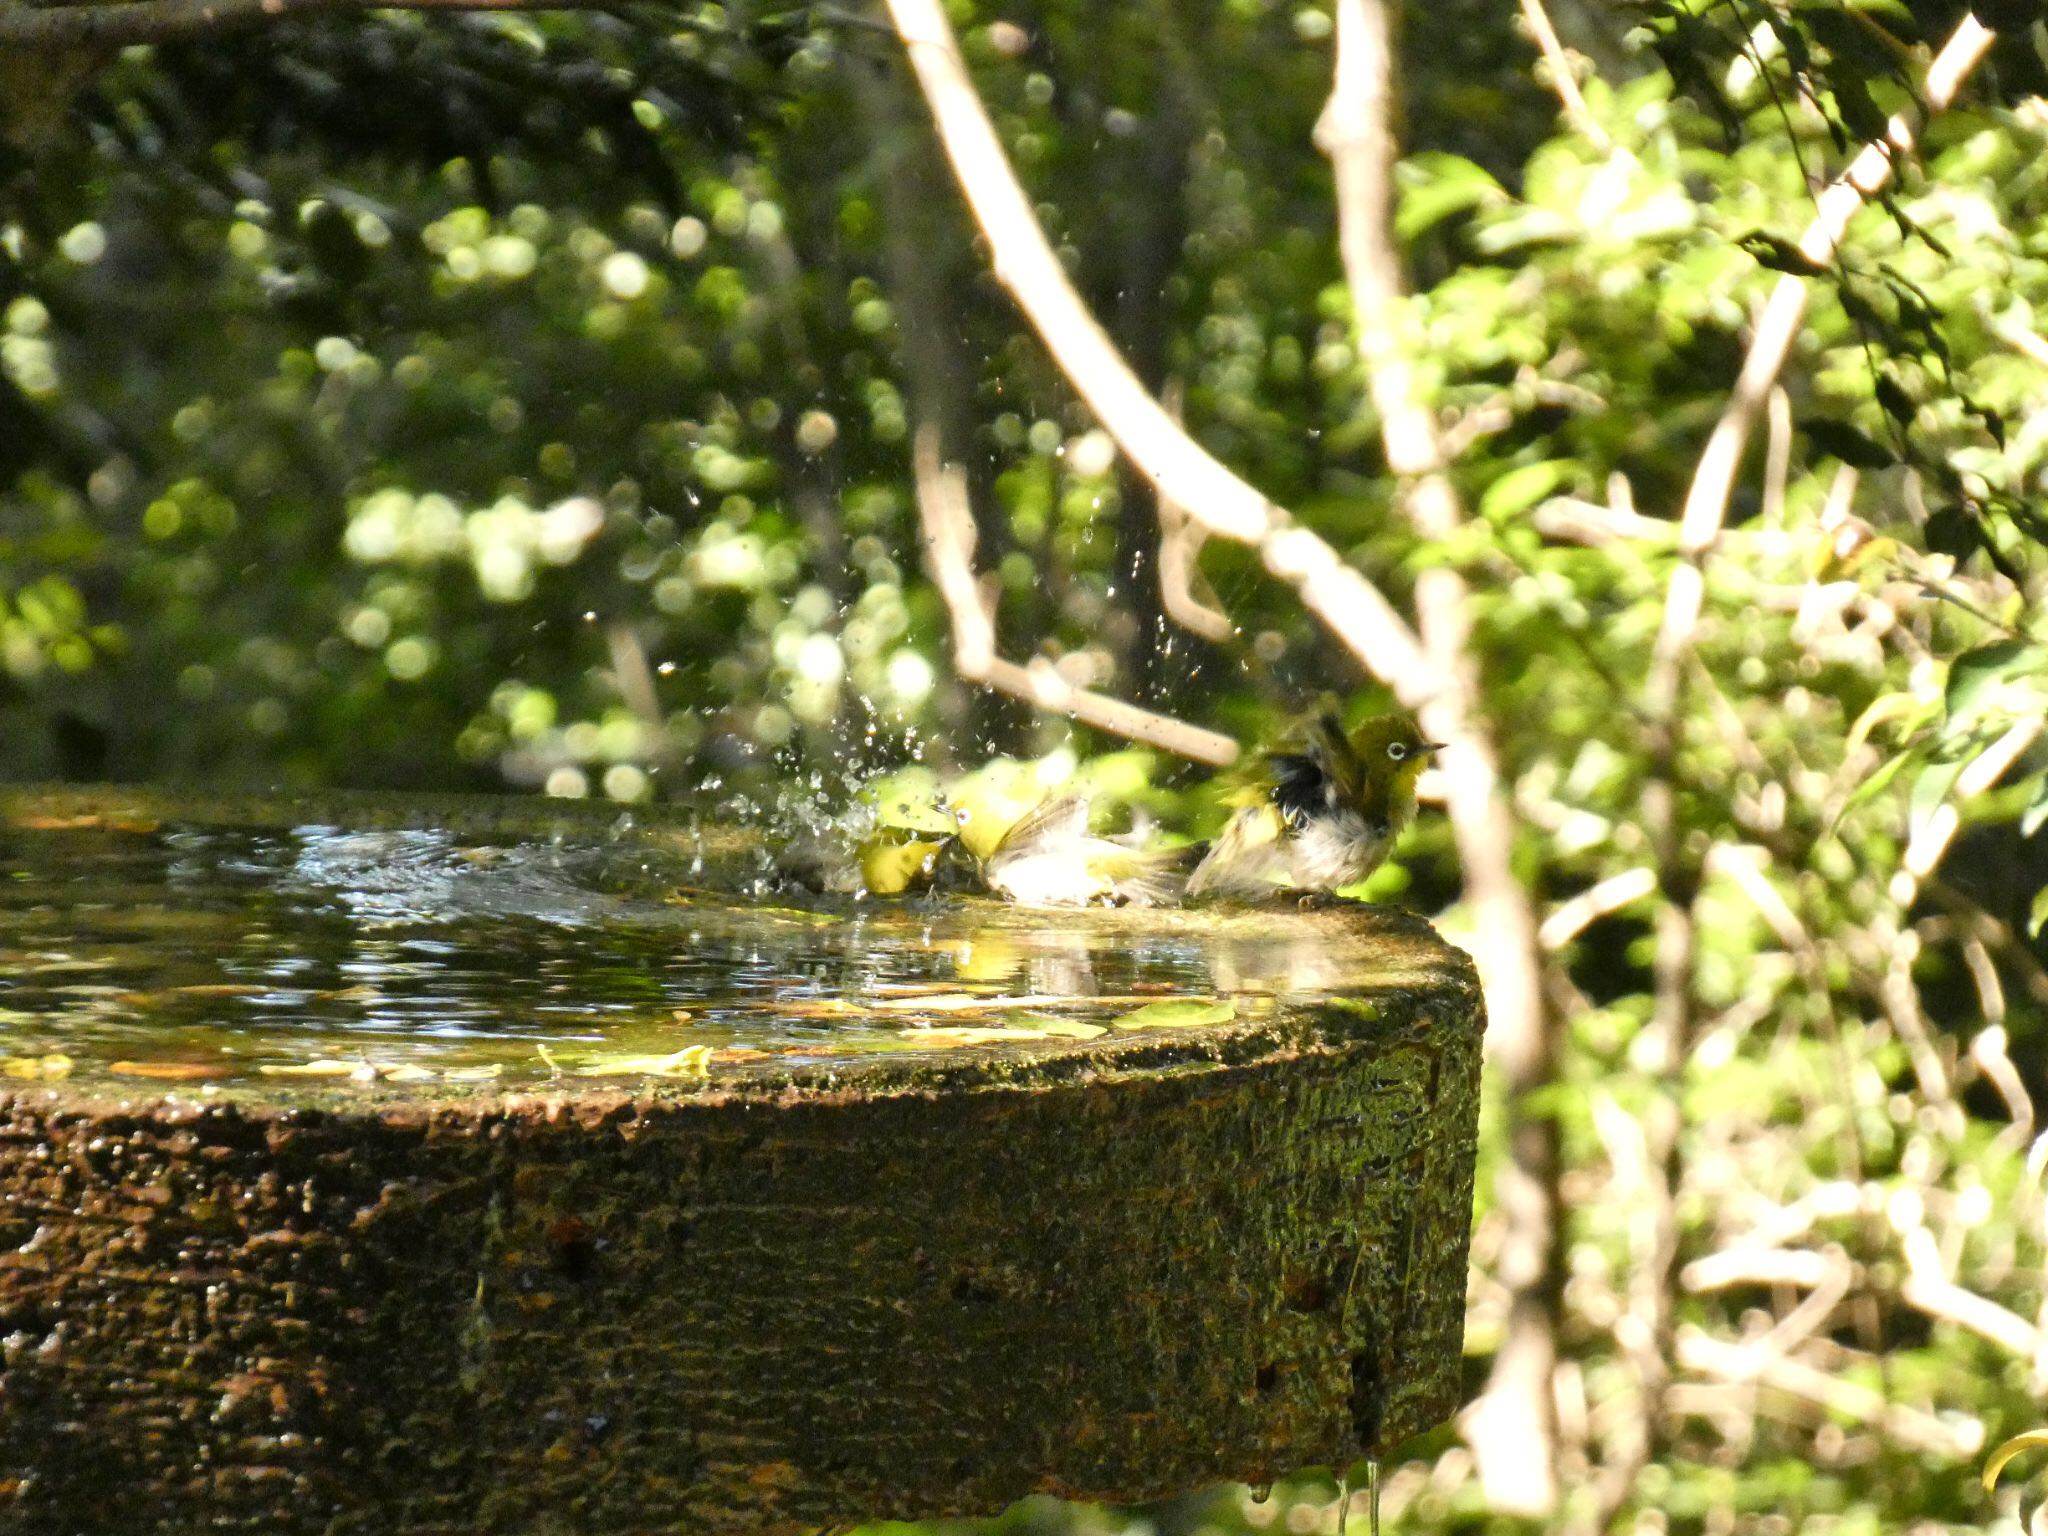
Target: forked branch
x=1349 y=606
x=949 y=539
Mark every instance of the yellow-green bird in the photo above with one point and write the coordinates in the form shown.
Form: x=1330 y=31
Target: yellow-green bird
x=1049 y=858
x=1324 y=817
x=894 y=860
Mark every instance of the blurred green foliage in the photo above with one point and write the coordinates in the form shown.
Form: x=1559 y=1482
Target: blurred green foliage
x=526 y=401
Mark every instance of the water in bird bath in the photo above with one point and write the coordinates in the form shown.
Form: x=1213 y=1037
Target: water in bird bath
x=199 y=951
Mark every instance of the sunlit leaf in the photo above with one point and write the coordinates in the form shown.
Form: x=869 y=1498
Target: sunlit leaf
x=1981 y=679
x=1433 y=186
x=1931 y=790
x=50 y=1067
x=1520 y=489
x=168 y=1071
x=690 y=1061
x=324 y=1066
x=2037 y=813
x=1182 y=1013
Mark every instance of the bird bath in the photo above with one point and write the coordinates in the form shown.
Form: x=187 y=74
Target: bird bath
x=392 y=1165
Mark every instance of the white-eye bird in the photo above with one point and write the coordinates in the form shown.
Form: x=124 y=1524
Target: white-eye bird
x=1049 y=858
x=1320 y=818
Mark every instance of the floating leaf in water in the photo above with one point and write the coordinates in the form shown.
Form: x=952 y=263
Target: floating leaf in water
x=323 y=1066
x=967 y=1035
x=741 y=1053
x=972 y=1002
x=406 y=1073
x=54 y=1065
x=167 y=1071
x=1183 y=1012
x=474 y=1074
x=918 y=989
x=1068 y=1029
x=690 y=1061
x=934 y=1002
x=1038 y=1029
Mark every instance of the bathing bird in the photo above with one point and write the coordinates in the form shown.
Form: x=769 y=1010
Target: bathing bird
x=1049 y=858
x=1324 y=816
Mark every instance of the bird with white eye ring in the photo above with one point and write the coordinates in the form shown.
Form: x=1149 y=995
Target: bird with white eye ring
x=1321 y=817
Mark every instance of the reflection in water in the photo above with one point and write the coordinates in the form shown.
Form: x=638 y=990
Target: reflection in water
x=202 y=953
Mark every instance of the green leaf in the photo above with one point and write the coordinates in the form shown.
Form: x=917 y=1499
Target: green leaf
x=1521 y=488
x=1435 y=186
x=1931 y=789
x=1979 y=679
x=2022 y=1442
x=2037 y=915
x=2036 y=813
x=1777 y=253
x=1181 y=1012
x=1839 y=440
x=1896 y=402
x=1953 y=532
x=1876 y=784
x=690 y=1061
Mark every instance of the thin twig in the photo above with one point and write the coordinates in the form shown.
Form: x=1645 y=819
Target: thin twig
x=1706 y=502
x=1562 y=78
x=1909 y=1427
x=949 y=539
x=1568 y=919
x=1180 y=549
x=1355 y=611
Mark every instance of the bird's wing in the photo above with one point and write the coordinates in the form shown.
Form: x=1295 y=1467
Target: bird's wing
x=1246 y=855
x=1057 y=819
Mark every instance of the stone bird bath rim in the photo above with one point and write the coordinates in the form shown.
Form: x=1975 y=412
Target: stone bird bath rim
x=793 y=1290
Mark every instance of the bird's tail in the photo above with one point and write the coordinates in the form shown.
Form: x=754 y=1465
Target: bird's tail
x=1151 y=877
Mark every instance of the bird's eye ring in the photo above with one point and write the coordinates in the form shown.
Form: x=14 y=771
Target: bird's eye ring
x=1396 y=751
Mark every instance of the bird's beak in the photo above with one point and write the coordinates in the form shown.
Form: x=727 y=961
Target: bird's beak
x=1430 y=747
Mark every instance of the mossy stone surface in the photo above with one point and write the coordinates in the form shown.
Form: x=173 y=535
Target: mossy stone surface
x=1119 y=1268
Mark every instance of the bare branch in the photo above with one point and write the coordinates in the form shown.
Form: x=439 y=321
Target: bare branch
x=1349 y=606
x=633 y=677
x=1928 y=1289
x=1511 y=1428
x=1594 y=525
x=2023 y=341
x=1570 y=918
x=1562 y=77
x=161 y=21
x=949 y=539
x=1706 y=503
x=1180 y=548
x=1910 y=1427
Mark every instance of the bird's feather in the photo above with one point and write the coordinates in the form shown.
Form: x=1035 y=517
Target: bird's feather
x=1049 y=858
